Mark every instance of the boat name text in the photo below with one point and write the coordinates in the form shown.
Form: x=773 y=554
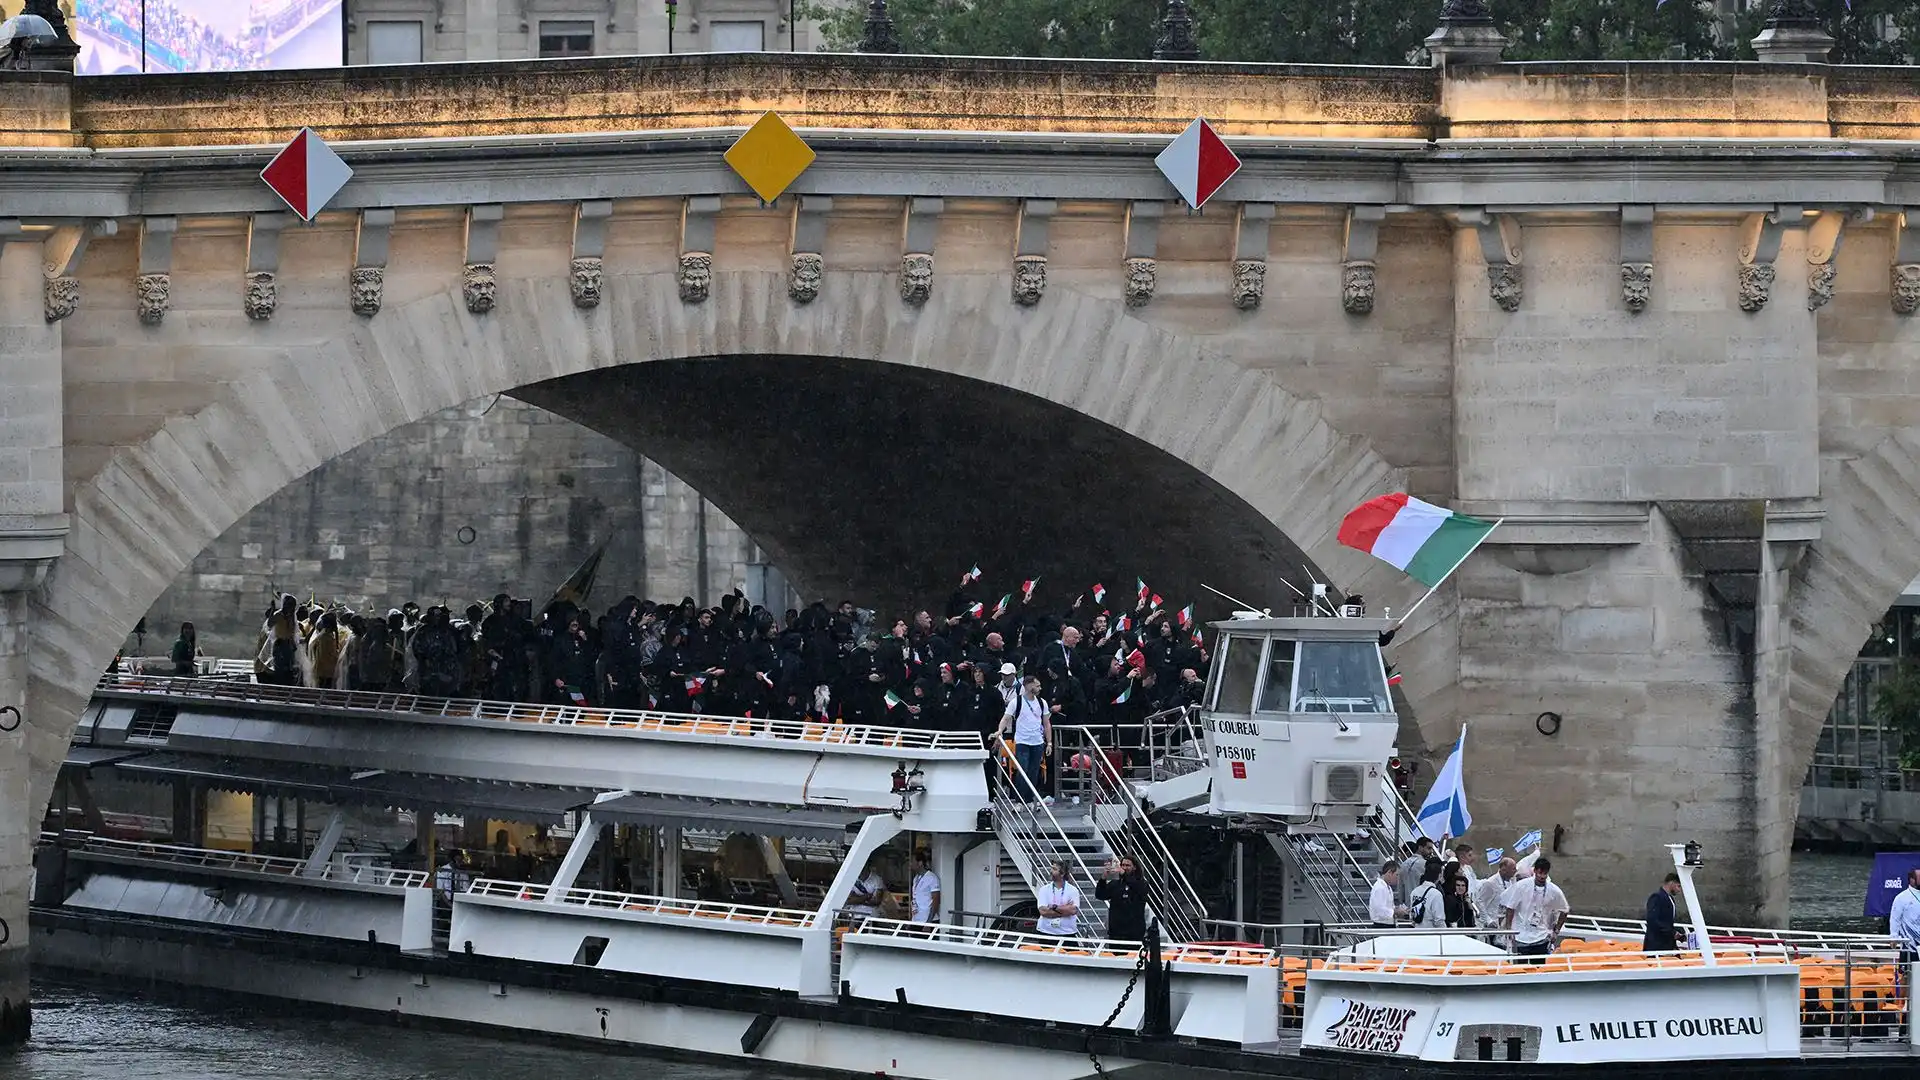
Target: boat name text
x=1233 y=727
x=1678 y=1028
x=1378 y=1029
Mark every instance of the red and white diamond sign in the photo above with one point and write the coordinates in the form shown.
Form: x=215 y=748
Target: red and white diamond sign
x=307 y=174
x=1198 y=163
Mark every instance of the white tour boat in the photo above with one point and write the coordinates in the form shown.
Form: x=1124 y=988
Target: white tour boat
x=220 y=834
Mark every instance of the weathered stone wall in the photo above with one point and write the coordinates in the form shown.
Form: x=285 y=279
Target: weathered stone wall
x=389 y=522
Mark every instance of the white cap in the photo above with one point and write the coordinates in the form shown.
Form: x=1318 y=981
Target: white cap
x=1007 y=669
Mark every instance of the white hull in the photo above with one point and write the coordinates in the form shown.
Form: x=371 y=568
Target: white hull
x=579 y=1018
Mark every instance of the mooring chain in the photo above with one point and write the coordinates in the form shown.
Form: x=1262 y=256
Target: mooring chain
x=1132 y=981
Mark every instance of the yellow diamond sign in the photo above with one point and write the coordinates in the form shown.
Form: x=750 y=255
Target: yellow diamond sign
x=769 y=157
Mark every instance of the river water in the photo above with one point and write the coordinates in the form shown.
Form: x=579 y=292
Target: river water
x=90 y=1032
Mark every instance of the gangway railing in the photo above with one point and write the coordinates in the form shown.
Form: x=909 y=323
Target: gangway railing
x=215 y=859
x=1123 y=823
x=576 y=717
x=1035 y=838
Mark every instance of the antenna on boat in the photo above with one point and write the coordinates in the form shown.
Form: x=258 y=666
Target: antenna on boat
x=1242 y=603
x=1319 y=602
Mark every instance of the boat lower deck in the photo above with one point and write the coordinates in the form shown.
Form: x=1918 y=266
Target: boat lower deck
x=839 y=1036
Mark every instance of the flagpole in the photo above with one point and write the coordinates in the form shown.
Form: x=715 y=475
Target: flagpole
x=1408 y=614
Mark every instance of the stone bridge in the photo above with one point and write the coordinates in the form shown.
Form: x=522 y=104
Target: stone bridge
x=1657 y=316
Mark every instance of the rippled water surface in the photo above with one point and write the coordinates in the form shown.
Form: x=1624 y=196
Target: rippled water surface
x=93 y=1032
x=89 y=1031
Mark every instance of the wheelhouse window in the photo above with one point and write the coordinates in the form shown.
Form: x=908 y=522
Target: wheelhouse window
x=1239 y=666
x=1340 y=676
x=1276 y=693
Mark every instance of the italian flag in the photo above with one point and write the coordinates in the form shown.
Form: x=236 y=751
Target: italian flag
x=1026 y=588
x=893 y=700
x=1000 y=608
x=1143 y=589
x=1186 y=615
x=1157 y=601
x=1123 y=625
x=1124 y=694
x=1099 y=594
x=976 y=609
x=973 y=574
x=1423 y=540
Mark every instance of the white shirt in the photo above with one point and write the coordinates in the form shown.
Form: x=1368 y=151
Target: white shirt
x=873 y=884
x=1487 y=894
x=1051 y=895
x=1427 y=906
x=1903 y=919
x=1380 y=902
x=925 y=886
x=1533 y=907
x=1027 y=713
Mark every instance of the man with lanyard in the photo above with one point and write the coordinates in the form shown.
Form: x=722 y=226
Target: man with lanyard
x=1031 y=720
x=1059 y=905
x=1903 y=922
x=1534 y=909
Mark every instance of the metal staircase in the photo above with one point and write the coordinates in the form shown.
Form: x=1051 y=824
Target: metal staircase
x=1330 y=869
x=1093 y=777
x=1032 y=838
x=1341 y=869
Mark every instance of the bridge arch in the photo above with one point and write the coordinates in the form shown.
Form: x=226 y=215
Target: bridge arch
x=337 y=381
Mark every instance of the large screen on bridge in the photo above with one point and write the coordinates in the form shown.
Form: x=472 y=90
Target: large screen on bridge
x=127 y=37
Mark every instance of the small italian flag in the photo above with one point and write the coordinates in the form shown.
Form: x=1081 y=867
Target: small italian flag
x=893 y=700
x=1143 y=588
x=695 y=685
x=973 y=574
x=1000 y=608
x=1197 y=640
x=976 y=609
x=1157 y=601
x=1124 y=694
x=1186 y=615
x=1125 y=624
x=1099 y=593
x=1026 y=588
x=1424 y=541
x=578 y=698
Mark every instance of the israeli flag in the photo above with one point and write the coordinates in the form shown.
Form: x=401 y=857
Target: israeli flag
x=1494 y=853
x=1445 y=811
x=1531 y=840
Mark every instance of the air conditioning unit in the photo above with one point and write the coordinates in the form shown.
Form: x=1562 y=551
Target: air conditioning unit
x=1346 y=783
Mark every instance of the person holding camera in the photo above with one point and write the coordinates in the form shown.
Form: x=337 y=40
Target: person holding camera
x=1125 y=893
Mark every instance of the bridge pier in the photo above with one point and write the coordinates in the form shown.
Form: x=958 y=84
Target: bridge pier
x=1622 y=646
x=33 y=529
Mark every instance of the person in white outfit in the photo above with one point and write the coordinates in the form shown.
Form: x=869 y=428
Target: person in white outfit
x=1059 y=904
x=925 y=891
x=1381 y=909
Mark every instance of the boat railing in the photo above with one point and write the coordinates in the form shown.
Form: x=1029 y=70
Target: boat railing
x=1036 y=944
x=642 y=903
x=354 y=873
x=1122 y=821
x=809 y=734
x=1633 y=930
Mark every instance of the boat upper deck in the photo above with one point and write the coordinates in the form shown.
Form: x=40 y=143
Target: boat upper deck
x=207 y=725
x=787 y=734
